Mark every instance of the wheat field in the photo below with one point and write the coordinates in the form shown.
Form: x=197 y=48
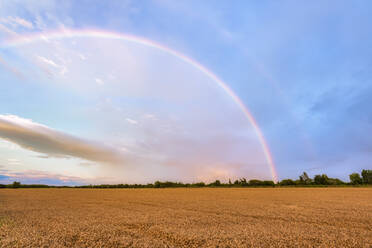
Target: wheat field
x=199 y=217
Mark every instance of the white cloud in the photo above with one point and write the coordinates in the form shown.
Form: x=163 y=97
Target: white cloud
x=16 y=22
x=149 y=116
x=40 y=24
x=13 y=160
x=11 y=68
x=44 y=38
x=48 y=61
x=100 y=81
x=6 y=30
x=131 y=121
x=61 y=67
x=82 y=56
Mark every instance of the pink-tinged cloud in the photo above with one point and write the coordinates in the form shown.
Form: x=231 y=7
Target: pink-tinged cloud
x=40 y=138
x=10 y=68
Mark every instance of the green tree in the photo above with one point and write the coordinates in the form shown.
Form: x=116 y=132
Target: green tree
x=216 y=183
x=243 y=182
x=367 y=176
x=286 y=182
x=255 y=182
x=157 y=184
x=305 y=179
x=321 y=179
x=355 y=178
x=16 y=185
x=268 y=183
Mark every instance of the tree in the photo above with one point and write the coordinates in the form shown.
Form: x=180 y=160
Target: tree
x=244 y=182
x=305 y=179
x=255 y=182
x=268 y=183
x=157 y=184
x=286 y=182
x=321 y=179
x=355 y=178
x=216 y=183
x=16 y=185
x=367 y=176
x=335 y=181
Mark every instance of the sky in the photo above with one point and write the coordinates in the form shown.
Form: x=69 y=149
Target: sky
x=136 y=91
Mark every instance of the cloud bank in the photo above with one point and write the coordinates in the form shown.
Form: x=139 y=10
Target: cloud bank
x=40 y=138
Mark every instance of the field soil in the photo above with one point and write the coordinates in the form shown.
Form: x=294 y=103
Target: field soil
x=201 y=217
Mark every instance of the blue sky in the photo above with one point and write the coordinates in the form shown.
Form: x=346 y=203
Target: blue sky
x=303 y=69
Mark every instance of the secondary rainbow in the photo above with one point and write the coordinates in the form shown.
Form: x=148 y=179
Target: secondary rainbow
x=69 y=33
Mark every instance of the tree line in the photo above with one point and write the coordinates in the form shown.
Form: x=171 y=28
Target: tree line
x=365 y=178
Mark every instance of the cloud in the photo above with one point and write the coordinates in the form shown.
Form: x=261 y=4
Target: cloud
x=16 y=22
x=11 y=69
x=3 y=177
x=6 y=30
x=149 y=116
x=40 y=138
x=82 y=56
x=48 y=61
x=99 y=81
x=14 y=161
x=131 y=121
x=61 y=67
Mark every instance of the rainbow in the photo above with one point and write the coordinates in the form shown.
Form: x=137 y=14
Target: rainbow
x=68 y=33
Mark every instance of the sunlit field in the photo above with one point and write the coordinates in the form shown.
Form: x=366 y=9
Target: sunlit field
x=255 y=217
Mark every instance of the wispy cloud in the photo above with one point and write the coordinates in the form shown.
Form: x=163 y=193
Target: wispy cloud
x=100 y=81
x=48 y=61
x=62 y=69
x=10 y=68
x=40 y=138
x=131 y=121
x=17 y=22
x=14 y=161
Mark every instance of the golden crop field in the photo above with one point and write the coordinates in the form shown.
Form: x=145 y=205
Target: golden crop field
x=201 y=217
